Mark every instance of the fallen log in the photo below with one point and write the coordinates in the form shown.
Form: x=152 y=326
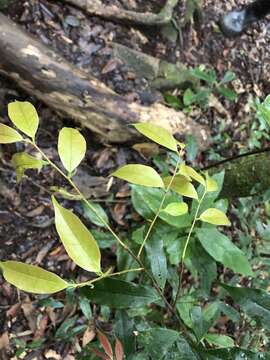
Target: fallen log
x=161 y=74
x=114 y=13
x=73 y=93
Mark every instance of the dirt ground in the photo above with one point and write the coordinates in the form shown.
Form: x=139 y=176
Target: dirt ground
x=26 y=218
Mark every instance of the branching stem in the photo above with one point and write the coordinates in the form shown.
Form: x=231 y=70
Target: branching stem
x=160 y=208
x=195 y=219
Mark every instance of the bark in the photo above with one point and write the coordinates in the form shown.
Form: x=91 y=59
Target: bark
x=73 y=93
x=114 y=13
x=246 y=175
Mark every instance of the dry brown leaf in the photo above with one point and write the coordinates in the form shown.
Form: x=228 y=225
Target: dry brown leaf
x=31 y=315
x=88 y=335
x=146 y=150
x=13 y=311
x=4 y=341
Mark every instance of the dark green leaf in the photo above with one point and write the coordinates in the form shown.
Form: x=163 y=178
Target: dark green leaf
x=223 y=250
x=155 y=253
x=227 y=93
x=124 y=327
x=85 y=307
x=120 y=294
x=235 y=354
x=203 y=320
x=221 y=341
x=50 y=302
x=254 y=302
x=173 y=101
x=92 y=215
x=157 y=341
x=202 y=266
x=208 y=76
x=146 y=202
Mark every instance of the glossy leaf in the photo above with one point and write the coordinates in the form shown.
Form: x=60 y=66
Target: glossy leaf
x=146 y=202
x=140 y=175
x=124 y=327
x=24 y=116
x=157 y=258
x=176 y=209
x=71 y=148
x=202 y=320
x=221 y=341
x=23 y=161
x=223 y=250
x=202 y=266
x=32 y=278
x=215 y=217
x=8 y=135
x=92 y=215
x=120 y=294
x=254 y=302
x=190 y=172
x=158 y=341
x=158 y=134
x=235 y=353
x=182 y=186
x=77 y=239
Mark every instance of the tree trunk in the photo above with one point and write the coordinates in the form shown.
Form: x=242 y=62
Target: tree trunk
x=74 y=93
x=246 y=175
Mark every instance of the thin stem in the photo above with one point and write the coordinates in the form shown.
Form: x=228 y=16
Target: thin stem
x=137 y=259
x=160 y=208
x=105 y=275
x=186 y=246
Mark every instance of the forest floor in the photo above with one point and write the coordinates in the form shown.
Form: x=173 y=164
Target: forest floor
x=27 y=232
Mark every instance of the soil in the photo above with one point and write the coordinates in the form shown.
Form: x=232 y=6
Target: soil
x=26 y=218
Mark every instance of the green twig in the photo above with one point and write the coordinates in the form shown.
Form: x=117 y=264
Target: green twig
x=130 y=252
x=186 y=246
x=160 y=208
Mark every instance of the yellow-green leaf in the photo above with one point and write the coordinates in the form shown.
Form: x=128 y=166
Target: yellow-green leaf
x=176 y=209
x=32 y=278
x=77 y=239
x=211 y=184
x=8 y=135
x=215 y=217
x=24 y=115
x=190 y=172
x=23 y=161
x=71 y=148
x=182 y=186
x=139 y=175
x=158 y=134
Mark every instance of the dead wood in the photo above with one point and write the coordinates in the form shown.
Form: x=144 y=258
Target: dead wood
x=73 y=93
x=116 y=14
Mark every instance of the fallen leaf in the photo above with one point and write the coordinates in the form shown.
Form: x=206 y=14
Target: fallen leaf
x=88 y=335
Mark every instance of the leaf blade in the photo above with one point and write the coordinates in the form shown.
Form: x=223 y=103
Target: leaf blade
x=77 y=239
x=215 y=217
x=158 y=134
x=139 y=175
x=223 y=250
x=9 y=135
x=32 y=278
x=120 y=294
x=71 y=148
x=24 y=116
